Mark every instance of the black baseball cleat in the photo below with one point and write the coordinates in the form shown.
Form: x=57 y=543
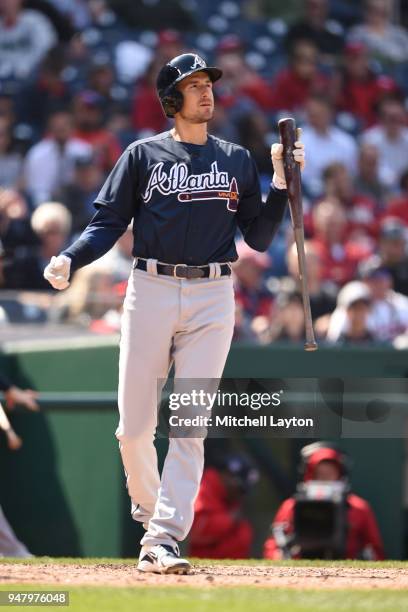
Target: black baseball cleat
x=162 y=559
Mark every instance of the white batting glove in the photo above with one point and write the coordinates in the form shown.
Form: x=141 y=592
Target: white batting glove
x=57 y=272
x=277 y=161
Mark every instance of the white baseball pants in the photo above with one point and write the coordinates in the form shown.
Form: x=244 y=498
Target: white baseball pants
x=166 y=320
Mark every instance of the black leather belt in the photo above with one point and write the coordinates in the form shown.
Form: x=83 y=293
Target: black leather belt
x=182 y=270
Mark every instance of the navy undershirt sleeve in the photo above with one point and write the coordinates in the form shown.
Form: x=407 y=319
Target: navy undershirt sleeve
x=259 y=221
x=116 y=208
x=98 y=238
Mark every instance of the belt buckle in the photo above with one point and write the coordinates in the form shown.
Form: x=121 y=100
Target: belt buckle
x=180 y=266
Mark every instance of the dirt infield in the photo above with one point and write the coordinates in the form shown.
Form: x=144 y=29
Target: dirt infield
x=120 y=575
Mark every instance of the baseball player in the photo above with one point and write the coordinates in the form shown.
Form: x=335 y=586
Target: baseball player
x=187 y=193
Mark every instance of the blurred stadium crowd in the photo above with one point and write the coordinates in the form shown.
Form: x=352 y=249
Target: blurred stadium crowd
x=77 y=85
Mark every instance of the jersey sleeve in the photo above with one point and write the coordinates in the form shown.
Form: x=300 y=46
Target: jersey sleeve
x=116 y=204
x=259 y=221
x=119 y=190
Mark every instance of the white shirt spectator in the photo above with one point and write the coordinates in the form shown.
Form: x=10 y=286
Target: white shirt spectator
x=49 y=167
x=391 y=44
x=24 y=44
x=325 y=149
x=392 y=154
x=388 y=319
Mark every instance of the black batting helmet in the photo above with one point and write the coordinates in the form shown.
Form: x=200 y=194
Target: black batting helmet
x=175 y=71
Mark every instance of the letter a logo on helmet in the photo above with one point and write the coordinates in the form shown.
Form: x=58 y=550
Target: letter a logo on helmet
x=198 y=63
x=175 y=71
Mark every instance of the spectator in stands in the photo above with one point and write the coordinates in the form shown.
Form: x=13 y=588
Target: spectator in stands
x=25 y=37
x=120 y=258
x=367 y=181
x=326 y=464
x=253 y=129
x=11 y=162
x=15 y=228
x=49 y=164
x=388 y=313
x=397 y=207
x=80 y=193
x=88 y=118
x=239 y=80
x=47 y=94
x=252 y=297
x=147 y=113
x=392 y=249
x=326 y=142
x=349 y=323
x=360 y=209
x=315 y=26
x=77 y=11
x=359 y=88
x=389 y=309
x=101 y=80
x=7 y=107
x=385 y=41
x=174 y=13
x=223 y=126
x=293 y=85
x=390 y=138
x=169 y=45
x=51 y=223
x=90 y=296
x=220 y=529
x=338 y=254
x=288 y=321
x=322 y=293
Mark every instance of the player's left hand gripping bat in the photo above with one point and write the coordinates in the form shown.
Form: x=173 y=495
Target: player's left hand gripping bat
x=287 y=132
x=13 y=440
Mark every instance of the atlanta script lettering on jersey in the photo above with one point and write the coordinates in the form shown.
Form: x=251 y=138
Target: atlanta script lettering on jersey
x=205 y=186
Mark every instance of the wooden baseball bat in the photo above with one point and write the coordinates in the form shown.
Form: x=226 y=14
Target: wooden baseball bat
x=288 y=136
x=13 y=440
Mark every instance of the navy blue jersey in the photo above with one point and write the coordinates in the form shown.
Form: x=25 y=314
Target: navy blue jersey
x=186 y=202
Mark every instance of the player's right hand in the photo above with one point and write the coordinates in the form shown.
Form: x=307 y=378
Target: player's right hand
x=57 y=272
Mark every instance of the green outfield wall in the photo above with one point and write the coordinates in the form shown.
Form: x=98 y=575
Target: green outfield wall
x=64 y=491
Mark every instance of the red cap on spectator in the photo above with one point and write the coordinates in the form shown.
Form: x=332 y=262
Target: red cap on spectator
x=386 y=83
x=230 y=43
x=90 y=97
x=355 y=48
x=169 y=37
